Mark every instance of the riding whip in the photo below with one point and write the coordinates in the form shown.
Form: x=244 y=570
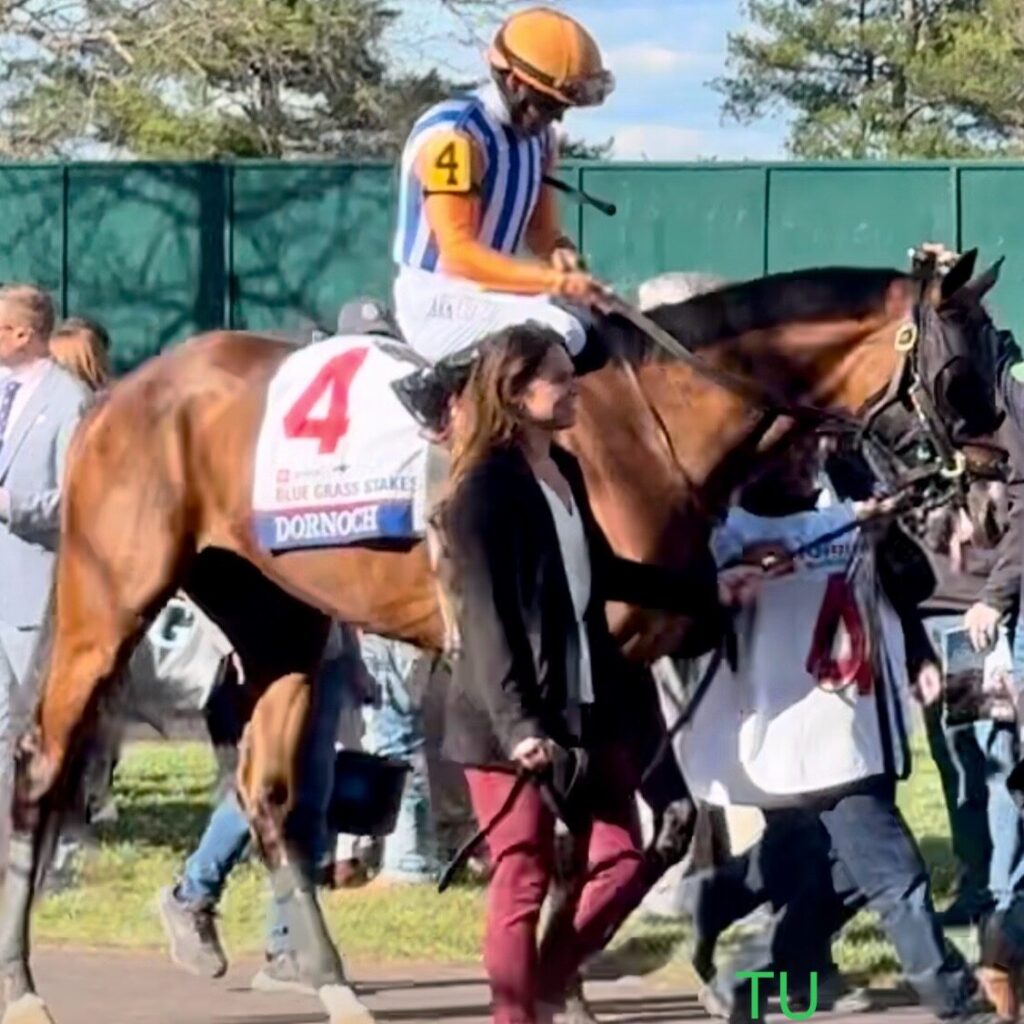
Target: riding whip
x=559 y=785
x=584 y=198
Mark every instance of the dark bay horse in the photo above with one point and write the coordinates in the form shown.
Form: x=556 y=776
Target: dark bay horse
x=158 y=493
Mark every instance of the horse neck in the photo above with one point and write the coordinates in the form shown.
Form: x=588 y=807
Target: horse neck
x=639 y=492
x=719 y=436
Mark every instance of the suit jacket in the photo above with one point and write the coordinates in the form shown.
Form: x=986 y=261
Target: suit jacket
x=31 y=471
x=518 y=625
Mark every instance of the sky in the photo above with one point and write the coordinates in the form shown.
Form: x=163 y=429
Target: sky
x=663 y=54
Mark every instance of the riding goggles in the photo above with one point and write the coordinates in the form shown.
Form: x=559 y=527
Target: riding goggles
x=581 y=91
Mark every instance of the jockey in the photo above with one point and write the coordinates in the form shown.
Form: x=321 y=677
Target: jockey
x=472 y=193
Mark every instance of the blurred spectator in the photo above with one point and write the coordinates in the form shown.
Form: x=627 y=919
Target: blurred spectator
x=973 y=732
x=40 y=406
x=82 y=347
x=188 y=908
x=396 y=727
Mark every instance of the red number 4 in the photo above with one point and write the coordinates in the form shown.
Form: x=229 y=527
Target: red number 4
x=335 y=376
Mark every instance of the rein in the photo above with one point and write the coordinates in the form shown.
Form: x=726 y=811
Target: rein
x=742 y=387
x=906 y=381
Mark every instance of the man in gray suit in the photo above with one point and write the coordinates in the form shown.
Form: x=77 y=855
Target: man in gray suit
x=40 y=405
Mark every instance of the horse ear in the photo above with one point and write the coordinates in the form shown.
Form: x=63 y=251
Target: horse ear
x=981 y=286
x=959 y=274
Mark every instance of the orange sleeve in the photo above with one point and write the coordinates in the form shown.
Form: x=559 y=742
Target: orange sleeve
x=455 y=222
x=544 y=233
x=450 y=168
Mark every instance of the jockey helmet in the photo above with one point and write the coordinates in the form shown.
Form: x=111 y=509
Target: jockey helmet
x=553 y=54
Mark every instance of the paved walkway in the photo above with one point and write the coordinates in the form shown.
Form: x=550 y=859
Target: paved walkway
x=133 y=988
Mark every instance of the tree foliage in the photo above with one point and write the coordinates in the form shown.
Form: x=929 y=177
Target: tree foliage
x=882 y=78
x=208 y=78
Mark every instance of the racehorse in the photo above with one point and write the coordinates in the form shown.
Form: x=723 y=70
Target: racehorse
x=158 y=496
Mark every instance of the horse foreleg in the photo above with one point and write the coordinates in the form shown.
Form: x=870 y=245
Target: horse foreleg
x=29 y=856
x=43 y=786
x=105 y=593
x=267 y=788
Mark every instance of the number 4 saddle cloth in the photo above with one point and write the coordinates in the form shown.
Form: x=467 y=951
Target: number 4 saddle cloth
x=339 y=461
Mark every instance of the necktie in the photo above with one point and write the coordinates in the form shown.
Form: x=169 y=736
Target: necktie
x=7 y=393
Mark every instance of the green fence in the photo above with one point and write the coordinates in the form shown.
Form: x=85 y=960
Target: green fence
x=162 y=251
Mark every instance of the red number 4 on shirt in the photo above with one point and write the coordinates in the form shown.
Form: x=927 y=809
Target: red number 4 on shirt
x=335 y=377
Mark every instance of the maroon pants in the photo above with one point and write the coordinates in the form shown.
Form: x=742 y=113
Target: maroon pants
x=522 y=855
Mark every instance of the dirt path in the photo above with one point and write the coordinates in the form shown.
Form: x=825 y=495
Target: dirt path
x=140 y=988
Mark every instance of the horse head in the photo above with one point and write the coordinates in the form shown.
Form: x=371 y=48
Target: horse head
x=942 y=406
x=904 y=365
x=957 y=357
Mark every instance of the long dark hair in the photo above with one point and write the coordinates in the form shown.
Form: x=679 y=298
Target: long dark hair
x=487 y=414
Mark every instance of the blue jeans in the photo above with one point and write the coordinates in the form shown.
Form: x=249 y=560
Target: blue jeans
x=856 y=853
x=227 y=834
x=974 y=760
x=396 y=730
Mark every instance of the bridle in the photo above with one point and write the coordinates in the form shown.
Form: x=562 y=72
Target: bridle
x=937 y=458
x=935 y=470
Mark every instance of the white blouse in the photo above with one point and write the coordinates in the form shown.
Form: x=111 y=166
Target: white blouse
x=576 y=560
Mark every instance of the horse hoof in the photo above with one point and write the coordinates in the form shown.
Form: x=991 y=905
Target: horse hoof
x=577 y=1012
x=999 y=989
x=27 y=1010
x=343 y=1006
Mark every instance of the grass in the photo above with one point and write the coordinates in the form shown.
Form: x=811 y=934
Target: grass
x=163 y=793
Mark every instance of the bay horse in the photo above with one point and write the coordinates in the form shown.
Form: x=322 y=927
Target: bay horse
x=158 y=491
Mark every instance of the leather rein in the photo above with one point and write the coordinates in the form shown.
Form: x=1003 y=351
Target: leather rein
x=905 y=384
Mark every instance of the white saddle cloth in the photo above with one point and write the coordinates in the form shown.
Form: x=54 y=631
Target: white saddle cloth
x=339 y=460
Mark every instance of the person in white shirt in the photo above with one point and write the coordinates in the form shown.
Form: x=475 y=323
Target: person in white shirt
x=816 y=713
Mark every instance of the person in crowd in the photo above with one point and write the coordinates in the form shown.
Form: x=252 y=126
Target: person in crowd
x=82 y=347
x=40 y=407
x=973 y=732
x=537 y=679
x=820 y=743
x=401 y=673
x=355 y=856
x=451 y=809
x=187 y=908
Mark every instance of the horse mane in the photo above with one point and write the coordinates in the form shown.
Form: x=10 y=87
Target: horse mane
x=828 y=293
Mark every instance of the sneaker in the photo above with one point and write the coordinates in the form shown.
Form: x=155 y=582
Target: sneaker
x=855 y=1000
x=714 y=1003
x=192 y=932
x=281 y=974
x=833 y=996
x=577 y=1011
x=972 y=1016
x=975 y=1010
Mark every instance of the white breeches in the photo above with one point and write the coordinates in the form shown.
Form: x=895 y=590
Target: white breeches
x=441 y=315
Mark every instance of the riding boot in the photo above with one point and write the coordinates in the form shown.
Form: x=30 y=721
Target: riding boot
x=425 y=398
